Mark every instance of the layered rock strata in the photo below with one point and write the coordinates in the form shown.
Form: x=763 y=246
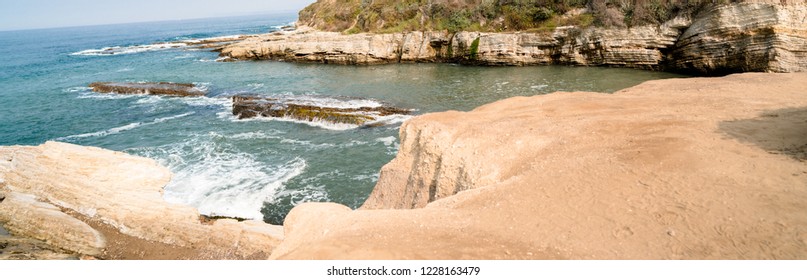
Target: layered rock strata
x=728 y=38
x=744 y=38
x=156 y=88
x=65 y=195
x=703 y=168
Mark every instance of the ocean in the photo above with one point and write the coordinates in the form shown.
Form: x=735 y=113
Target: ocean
x=251 y=169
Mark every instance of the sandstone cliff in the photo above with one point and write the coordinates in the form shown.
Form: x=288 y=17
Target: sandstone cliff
x=108 y=204
x=738 y=37
x=704 y=168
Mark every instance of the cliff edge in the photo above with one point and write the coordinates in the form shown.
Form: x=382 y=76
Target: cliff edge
x=700 y=168
x=714 y=39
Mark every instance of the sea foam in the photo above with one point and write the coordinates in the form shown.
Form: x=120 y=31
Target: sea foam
x=218 y=179
x=116 y=130
x=118 y=50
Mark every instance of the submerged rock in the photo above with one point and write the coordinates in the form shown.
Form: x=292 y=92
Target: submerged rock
x=156 y=88
x=305 y=110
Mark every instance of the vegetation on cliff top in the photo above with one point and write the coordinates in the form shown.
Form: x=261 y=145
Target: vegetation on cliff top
x=387 y=16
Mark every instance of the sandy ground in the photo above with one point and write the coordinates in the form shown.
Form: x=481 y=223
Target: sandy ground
x=701 y=168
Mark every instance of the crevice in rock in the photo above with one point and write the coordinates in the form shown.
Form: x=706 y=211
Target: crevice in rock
x=209 y=220
x=438 y=168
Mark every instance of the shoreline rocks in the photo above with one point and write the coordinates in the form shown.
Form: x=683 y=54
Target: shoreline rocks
x=305 y=110
x=737 y=37
x=328 y=109
x=154 y=88
x=66 y=195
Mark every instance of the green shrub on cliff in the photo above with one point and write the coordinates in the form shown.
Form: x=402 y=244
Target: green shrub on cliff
x=474 y=49
x=388 y=16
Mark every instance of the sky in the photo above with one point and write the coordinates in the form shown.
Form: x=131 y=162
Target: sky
x=34 y=14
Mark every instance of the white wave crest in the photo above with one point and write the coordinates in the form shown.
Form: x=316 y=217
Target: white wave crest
x=388 y=141
x=256 y=135
x=219 y=180
x=77 y=89
x=315 y=123
x=149 y=99
x=118 y=50
x=207 y=101
x=390 y=119
x=116 y=130
x=333 y=102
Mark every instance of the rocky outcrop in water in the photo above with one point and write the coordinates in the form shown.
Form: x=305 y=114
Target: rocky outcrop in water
x=158 y=88
x=98 y=202
x=736 y=37
x=252 y=106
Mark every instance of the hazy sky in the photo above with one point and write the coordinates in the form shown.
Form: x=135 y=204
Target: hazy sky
x=28 y=14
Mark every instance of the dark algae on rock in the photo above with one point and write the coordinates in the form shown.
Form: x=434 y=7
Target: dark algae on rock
x=253 y=106
x=155 y=88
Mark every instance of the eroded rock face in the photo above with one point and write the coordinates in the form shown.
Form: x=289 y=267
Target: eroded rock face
x=737 y=37
x=20 y=248
x=25 y=215
x=157 y=88
x=749 y=37
x=115 y=189
x=640 y=47
x=310 y=110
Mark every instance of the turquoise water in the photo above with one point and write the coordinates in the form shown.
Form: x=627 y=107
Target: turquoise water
x=256 y=169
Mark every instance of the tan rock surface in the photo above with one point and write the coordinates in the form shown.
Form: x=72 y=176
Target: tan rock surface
x=745 y=37
x=702 y=168
x=125 y=193
x=23 y=215
x=20 y=248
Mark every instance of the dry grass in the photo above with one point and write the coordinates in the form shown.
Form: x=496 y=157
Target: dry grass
x=390 y=16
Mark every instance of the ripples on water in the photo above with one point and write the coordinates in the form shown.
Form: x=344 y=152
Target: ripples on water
x=255 y=169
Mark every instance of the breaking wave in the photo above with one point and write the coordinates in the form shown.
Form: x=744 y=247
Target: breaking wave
x=120 y=129
x=220 y=180
x=118 y=50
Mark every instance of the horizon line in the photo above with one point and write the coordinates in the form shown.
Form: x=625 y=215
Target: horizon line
x=154 y=21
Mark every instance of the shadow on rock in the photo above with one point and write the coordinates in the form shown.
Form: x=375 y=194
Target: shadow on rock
x=781 y=131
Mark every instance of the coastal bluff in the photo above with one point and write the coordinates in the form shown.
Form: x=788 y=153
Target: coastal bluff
x=694 y=168
x=751 y=36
